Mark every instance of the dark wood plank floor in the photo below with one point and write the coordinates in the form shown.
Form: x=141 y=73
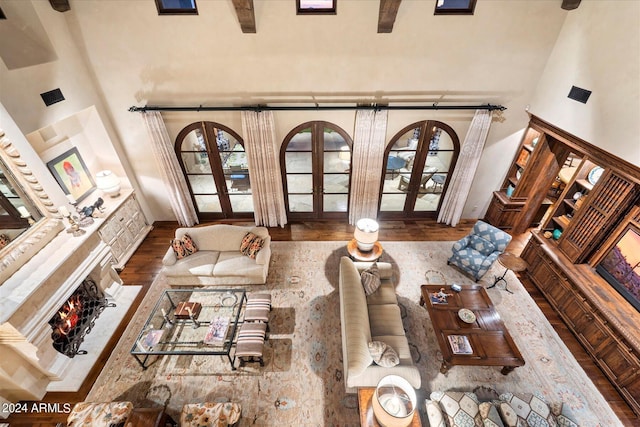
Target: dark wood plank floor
x=146 y=263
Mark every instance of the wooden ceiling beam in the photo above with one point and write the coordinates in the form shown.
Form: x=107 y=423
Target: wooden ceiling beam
x=387 y=16
x=246 y=15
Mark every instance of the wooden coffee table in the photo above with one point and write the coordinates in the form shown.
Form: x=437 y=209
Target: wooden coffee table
x=490 y=342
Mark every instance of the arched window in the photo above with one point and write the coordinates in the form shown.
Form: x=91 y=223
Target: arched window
x=315 y=159
x=418 y=163
x=214 y=164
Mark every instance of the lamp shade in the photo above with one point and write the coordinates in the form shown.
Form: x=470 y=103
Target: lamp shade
x=394 y=402
x=366 y=234
x=108 y=182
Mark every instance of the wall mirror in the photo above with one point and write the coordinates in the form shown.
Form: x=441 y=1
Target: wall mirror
x=28 y=218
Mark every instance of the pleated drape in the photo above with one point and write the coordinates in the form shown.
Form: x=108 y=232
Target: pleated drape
x=462 y=177
x=172 y=176
x=264 y=168
x=366 y=166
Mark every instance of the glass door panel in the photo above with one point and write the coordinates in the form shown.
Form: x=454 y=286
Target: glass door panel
x=418 y=163
x=215 y=166
x=316 y=164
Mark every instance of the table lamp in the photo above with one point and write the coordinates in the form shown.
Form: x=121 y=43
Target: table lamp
x=394 y=402
x=366 y=234
x=108 y=182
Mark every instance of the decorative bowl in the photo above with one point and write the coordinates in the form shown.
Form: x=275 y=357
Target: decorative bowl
x=466 y=315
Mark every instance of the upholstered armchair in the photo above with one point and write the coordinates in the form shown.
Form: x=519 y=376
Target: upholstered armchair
x=210 y=414
x=474 y=254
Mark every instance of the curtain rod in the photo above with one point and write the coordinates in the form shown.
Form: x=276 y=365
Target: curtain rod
x=259 y=108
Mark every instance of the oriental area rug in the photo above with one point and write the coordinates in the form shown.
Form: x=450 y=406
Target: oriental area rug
x=302 y=381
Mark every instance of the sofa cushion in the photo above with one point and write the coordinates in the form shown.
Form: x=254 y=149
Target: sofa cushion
x=386 y=294
x=489 y=414
x=385 y=320
x=370 y=279
x=355 y=325
x=234 y=264
x=523 y=410
x=251 y=245
x=383 y=354
x=220 y=237
x=198 y=264
x=484 y=246
x=462 y=408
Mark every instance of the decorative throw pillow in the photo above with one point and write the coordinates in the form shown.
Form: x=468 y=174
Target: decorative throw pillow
x=434 y=414
x=525 y=410
x=489 y=414
x=383 y=354
x=370 y=279
x=251 y=245
x=4 y=240
x=184 y=247
x=461 y=408
x=481 y=245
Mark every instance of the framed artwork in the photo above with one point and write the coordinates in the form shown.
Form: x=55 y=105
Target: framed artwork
x=72 y=174
x=455 y=7
x=316 y=7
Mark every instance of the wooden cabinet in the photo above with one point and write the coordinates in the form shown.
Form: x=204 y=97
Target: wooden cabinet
x=576 y=293
x=124 y=229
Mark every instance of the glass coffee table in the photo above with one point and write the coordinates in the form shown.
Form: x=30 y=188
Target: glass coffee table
x=191 y=322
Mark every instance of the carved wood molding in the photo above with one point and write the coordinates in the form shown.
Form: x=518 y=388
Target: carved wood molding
x=246 y=15
x=387 y=15
x=13 y=256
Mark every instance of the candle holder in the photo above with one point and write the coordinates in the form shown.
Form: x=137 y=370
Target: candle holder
x=74 y=227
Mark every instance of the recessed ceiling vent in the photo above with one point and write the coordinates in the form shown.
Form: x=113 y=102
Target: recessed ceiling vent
x=52 y=97
x=579 y=94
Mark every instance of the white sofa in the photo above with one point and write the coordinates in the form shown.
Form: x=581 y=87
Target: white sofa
x=371 y=318
x=218 y=260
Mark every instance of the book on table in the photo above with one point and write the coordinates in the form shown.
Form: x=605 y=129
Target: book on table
x=152 y=337
x=460 y=344
x=217 y=331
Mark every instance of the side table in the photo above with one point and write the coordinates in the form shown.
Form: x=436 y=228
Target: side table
x=367 y=419
x=510 y=262
x=357 y=255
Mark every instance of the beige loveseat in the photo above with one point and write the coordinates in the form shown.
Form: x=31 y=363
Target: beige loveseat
x=218 y=260
x=371 y=318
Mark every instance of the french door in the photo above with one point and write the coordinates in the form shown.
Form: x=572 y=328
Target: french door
x=315 y=160
x=214 y=164
x=418 y=163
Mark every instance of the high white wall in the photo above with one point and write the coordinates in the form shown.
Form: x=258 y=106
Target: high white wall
x=123 y=54
x=598 y=49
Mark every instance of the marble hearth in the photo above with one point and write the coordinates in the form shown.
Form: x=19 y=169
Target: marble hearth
x=32 y=295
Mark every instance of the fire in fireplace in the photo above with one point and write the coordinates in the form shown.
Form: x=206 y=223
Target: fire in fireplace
x=75 y=319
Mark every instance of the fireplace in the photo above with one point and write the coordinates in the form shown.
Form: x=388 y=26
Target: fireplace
x=75 y=319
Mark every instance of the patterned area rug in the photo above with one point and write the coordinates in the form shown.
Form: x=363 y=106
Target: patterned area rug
x=302 y=380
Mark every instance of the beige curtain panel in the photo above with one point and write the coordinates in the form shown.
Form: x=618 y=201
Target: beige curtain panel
x=366 y=164
x=462 y=177
x=262 y=151
x=179 y=196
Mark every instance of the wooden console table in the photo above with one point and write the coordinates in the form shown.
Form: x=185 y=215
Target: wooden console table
x=367 y=419
x=150 y=417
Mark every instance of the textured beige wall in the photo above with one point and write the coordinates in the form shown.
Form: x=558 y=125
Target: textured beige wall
x=598 y=49
x=114 y=54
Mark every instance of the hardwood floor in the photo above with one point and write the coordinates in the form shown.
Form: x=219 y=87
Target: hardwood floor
x=146 y=263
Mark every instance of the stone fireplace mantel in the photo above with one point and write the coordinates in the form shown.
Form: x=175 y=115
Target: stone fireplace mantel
x=31 y=297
